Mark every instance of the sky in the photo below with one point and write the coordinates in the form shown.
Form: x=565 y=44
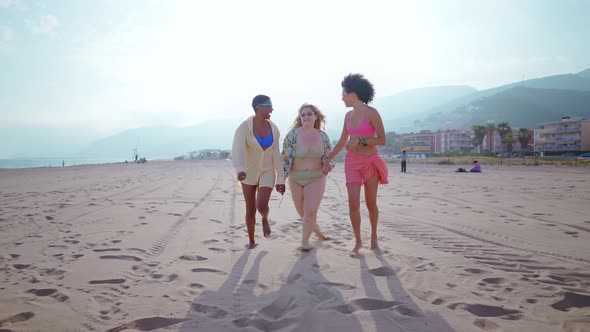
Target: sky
x=101 y=67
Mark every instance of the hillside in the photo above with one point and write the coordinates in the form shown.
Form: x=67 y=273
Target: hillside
x=520 y=106
x=401 y=110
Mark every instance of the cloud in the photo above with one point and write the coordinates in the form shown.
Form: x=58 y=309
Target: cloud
x=45 y=26
x=6 y=34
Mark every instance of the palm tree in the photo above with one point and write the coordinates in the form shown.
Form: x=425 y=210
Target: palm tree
x=491 y=129
x=504 y=129
x=479 y=133
x=508 y=140
x=524 y=137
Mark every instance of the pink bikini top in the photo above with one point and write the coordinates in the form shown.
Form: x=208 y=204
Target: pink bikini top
x=364 y=129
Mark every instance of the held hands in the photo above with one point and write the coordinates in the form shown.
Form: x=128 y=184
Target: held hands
x=241 y=176
x=280 y=188
x=328 y=166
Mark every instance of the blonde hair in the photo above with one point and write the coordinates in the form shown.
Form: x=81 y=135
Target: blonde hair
x=320 y=120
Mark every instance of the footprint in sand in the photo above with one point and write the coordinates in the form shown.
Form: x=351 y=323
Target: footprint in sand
x=382 y=272
x=218 y=250
x=122 y=257
x=205 y=269
x=104 y=250
x=573 y=234
x=49 y=292
x=106 y=281
x=21 y=266
x=148 y=324
x=474 y=271
x=21 y=317
x=483 y=310
x=572 y=300
x=168 y=278
x=493 y=281
x=194 y=258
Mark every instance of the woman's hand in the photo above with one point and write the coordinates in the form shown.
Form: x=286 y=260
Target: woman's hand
x=280 y=188
x=328 y=166
x=352 y=142
x=241 y=176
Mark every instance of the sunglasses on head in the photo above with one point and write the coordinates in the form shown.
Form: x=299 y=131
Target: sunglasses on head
x=310 y=113
x=265 y=104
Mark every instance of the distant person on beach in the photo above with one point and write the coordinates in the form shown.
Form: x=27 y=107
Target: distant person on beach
x=304 y=151
x=476 y=167
x=257 y=160
x=362 y=132
x=404 y=158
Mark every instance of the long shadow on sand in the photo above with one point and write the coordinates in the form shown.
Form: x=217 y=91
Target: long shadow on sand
x=402 y=313
x=306 y=301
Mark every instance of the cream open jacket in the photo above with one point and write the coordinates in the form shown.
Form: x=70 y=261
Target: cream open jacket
x=248 y=156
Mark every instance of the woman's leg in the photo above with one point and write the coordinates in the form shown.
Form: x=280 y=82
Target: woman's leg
x=371 y=200
x=297 y=195
x=250 y=198
x=354 y=210
x=262 y=206
x=312 y=193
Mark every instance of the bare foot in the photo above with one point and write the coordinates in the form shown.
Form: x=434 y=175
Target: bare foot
x=251 y=245
x=265 y=227
x=355 y=251
x=374 y=244
x=322 y=237
x=306 y=247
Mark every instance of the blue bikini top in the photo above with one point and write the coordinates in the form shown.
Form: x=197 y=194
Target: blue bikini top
x=266 y=142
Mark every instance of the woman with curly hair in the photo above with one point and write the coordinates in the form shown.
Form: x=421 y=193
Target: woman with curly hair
x=363 y=167
x=304 y=151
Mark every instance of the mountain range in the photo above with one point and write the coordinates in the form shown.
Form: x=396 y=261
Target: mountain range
x=522 y=104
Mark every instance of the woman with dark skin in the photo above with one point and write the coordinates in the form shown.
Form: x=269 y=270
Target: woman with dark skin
x=363 y=167
x=256 y=158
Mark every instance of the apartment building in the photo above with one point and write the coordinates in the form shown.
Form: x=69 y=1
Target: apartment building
x=453 y=141
x=422 y=142
x=569 y=134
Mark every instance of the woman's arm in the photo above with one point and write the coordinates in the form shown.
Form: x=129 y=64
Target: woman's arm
x=238 y=154
x=377 y=123
x=288 y=154
x=277 y=161
x=340 y=145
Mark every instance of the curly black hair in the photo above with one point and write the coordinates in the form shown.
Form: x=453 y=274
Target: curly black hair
x=361 y=86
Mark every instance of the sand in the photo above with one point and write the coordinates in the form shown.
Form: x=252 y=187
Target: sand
x=161 y=247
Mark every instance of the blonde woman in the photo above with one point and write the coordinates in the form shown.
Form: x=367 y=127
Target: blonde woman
x=257 y=160
x=304 y=151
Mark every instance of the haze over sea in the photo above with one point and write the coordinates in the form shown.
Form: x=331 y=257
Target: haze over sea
x=53 y=162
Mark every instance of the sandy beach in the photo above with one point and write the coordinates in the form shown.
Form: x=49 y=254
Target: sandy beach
x=161 y=247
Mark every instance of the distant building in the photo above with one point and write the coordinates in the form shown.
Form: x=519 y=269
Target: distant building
x=422 y=142
x=453 y=141
x=493 y=143
x=569 y=134
x=444 y=141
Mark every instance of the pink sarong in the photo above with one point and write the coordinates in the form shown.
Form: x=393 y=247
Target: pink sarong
x=360 y=169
